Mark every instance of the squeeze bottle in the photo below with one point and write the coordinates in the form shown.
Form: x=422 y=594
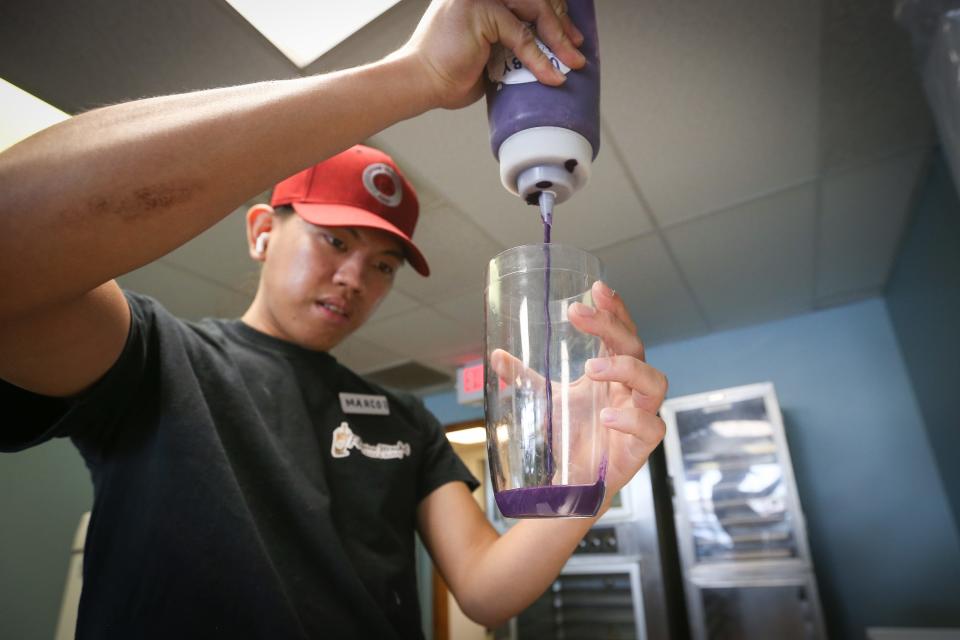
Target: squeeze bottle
x=546 y=138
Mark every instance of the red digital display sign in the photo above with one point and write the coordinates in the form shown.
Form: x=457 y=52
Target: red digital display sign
x=470 y=383
x=472 y=378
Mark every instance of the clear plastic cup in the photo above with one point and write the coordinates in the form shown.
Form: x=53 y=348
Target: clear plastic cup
x=545 y=444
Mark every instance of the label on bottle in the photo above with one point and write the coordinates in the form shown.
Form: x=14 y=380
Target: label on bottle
x=504 y=67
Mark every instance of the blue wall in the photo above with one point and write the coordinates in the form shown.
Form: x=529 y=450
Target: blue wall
x=45 y=491
x=885 y=548
x=923 y=297
x=444 y=406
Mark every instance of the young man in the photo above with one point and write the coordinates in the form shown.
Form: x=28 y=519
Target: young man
x=246 y=485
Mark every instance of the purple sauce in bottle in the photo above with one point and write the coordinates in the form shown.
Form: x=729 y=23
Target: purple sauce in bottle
x=546 y=214
x=575 y=105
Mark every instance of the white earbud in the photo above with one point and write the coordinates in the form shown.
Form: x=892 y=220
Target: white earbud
x=261 y=245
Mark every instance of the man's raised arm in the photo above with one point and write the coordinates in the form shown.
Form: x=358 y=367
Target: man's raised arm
x=113 y=189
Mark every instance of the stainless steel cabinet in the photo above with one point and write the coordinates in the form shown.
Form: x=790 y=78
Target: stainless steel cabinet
x=600 y=600
x=613 y=586
x=740 y=528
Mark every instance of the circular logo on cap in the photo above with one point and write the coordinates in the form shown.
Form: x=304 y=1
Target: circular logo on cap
x=383 y=183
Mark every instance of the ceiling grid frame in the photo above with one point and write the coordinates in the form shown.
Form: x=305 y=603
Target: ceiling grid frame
x=655 y=223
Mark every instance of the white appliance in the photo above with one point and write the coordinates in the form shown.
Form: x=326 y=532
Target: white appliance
x=747 y=572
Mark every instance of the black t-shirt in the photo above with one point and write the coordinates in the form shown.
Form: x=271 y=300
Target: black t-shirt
x=244 y=487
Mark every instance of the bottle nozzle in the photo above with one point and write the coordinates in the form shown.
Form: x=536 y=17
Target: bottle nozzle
x=542 y=179
x=547 y=198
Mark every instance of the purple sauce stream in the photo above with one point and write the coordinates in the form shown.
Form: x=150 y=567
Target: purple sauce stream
x=546 y=502
x=546 y=213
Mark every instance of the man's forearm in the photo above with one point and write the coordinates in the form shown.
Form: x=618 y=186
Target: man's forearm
x=518 y=567
x=113 y=189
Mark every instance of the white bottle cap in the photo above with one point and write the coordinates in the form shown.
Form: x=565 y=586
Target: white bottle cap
x=545 y=178
x=533 y=157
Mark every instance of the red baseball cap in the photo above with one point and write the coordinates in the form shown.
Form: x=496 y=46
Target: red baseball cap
x=360 y=187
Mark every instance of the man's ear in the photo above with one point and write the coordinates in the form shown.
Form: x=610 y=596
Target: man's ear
x=259 y=225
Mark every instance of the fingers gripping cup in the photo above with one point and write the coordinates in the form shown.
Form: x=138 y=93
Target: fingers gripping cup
x=545 y=443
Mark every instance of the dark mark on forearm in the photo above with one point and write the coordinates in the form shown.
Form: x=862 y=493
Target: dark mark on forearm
x=161 y=197
x=144 y=202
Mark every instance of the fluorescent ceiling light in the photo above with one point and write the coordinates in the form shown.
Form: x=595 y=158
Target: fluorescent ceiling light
x=741 y=428
x=473 y=435
x=22 y=115
x=304 y=30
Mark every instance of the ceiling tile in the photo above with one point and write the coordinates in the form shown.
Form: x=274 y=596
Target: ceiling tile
x=606 y=211
x=871 y=104
x=642 y=273
x=450 y=362
x=220 y=253
x=362 y=356
x=410 y=376
x=304 y=31
x=863 y=215
x=184 y=294
x=457 y=250
x=847 y=297
x=418 y=334
x=394 y=303
x=378 y=38
x=751 y=263
x=711 y=106
x=458 y=165
x=466 y=310
x=79 y=56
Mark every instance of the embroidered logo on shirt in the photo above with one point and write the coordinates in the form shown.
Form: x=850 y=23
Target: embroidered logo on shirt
x=364 y=403
x=345 y=440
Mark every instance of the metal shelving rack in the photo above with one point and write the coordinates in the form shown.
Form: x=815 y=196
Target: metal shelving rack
x=613 y=586
x=740 y=529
